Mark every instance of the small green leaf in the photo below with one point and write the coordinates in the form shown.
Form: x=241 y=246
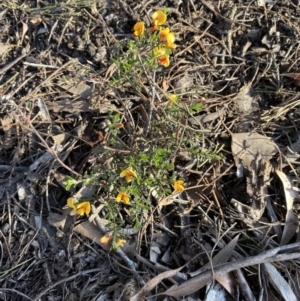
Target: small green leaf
x=195 y=108
x=69 y=183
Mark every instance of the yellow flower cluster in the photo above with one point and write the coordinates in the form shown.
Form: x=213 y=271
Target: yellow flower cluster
x=128 y=174
x=80 y=208
x=104 y=240
x=166 y=37
x=123 y=197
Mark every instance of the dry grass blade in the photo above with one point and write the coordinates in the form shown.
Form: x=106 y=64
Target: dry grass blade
x=11 y=64
x=51 y=150
x=64 y=280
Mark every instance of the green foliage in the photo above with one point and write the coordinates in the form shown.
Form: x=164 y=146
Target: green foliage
x=87 y=179
x=70 y=182
x=153 y=161
x=195 y=108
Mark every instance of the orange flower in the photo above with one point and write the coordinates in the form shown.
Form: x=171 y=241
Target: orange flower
x=152 y=28
x=163 y=33
x=129 y=174
x=123 y=197
x=164 y=60
x=139 y=29
x=178 y=186
x=161 y=56
x=120 y=242
x=159 y=18
x=170 y=41
x=105 y=239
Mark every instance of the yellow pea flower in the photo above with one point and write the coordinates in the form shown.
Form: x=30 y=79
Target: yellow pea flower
x=161 y=56
x=83 y=208
x=170 y=41
x=159 y=18
x=139 y=29
x=105 y=239
x=173 y=98
x=71 y=203
x=178 y=186
x=164 y=60
x=163 y=33
x=79 y=209
x=120 y=242
x=123 y=197
x=129 y=174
